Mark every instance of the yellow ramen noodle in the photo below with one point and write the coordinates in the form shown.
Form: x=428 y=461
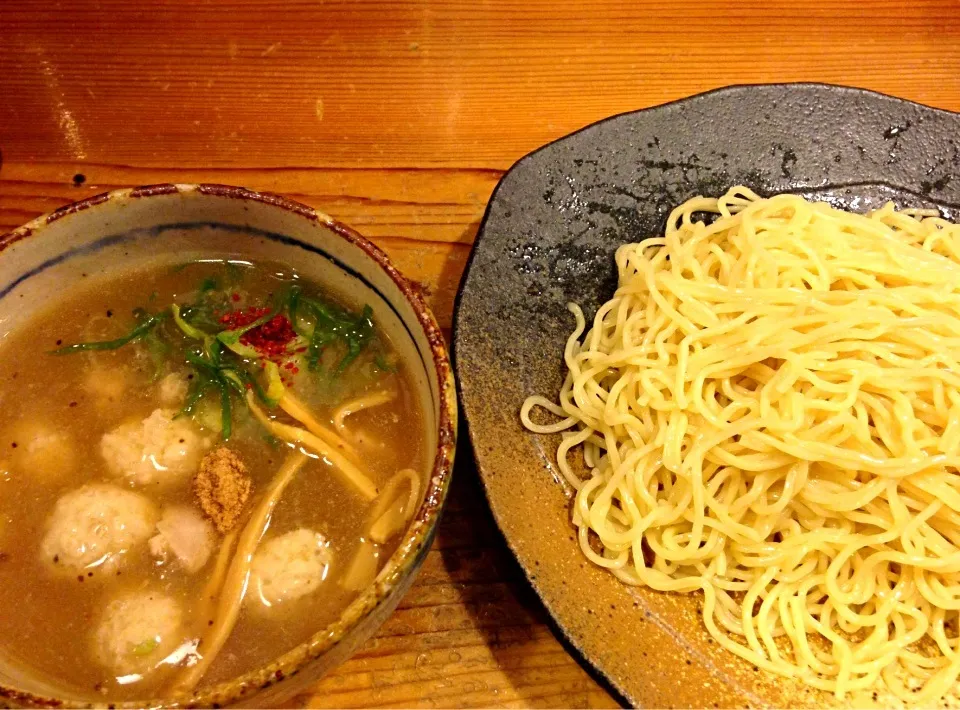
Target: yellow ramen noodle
x=769 y=413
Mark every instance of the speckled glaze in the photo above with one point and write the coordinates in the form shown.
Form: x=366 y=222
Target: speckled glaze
x=548 y=238
x=107 y=233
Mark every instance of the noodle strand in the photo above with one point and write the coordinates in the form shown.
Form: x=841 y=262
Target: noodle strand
x=768 y=411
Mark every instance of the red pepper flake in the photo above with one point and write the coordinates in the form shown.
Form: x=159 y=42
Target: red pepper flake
x=269 y=339
x=242 y=318
x=235 y=297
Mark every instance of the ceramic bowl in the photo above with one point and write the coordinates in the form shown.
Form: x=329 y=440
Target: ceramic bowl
x=109 y=233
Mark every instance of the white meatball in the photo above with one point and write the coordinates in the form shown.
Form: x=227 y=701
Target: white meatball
x=160 y=449
x=95 y=526
x=40 y=452
x=184 y=535
x=107 y=386
x=173 y=389
x=288 y=567
x=137 y=631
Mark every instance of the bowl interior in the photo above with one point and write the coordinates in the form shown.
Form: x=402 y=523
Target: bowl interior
x=77 y=247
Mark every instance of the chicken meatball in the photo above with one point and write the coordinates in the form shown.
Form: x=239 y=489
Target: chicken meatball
x=95 y=526
x=160 y=449
x=106 y=386
x=173 y=389
x=185 y=536
x=40 y=451
x=137 y=631
x=289 y=567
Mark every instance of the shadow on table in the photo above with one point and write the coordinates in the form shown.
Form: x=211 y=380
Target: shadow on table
x=520 y=635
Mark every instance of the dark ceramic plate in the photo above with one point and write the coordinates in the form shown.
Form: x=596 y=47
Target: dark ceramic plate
x=548 y=238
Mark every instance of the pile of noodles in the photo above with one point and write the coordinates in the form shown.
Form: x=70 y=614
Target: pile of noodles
x=769 y=413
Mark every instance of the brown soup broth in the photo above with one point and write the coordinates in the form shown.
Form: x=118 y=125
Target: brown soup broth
x=50 y=616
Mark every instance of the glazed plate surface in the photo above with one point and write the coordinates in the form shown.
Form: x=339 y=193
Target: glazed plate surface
x=548 y=238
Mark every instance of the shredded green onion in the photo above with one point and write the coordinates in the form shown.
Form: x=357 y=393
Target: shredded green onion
x=226 y=416
x=188 y=330
x=225 y=367
x=138 y=332
x=274 y=383
x=145 y=648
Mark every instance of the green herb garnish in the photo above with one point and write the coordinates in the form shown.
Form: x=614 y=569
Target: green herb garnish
x=222 y=366
x=331 y=324
x=138 y=332
x=145 y=648
x=189 y=330
x=211 y=373
x=380 y=362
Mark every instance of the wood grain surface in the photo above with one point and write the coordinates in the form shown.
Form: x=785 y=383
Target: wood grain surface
x=399 y=118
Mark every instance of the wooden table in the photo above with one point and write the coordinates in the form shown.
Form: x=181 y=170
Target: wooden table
x=399 y=118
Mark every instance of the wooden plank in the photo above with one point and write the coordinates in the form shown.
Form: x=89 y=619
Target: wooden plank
x=398 y=117
x=436 y=83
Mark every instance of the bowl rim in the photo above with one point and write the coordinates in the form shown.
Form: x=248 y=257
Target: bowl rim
x=405 y=560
